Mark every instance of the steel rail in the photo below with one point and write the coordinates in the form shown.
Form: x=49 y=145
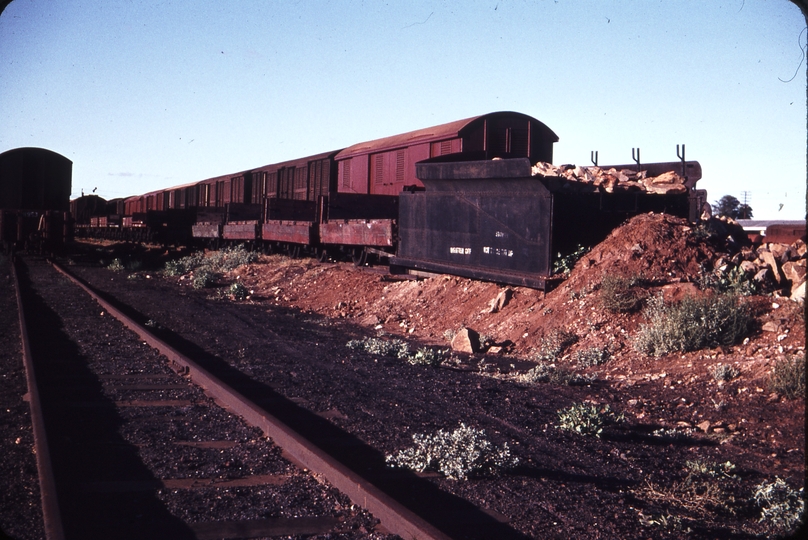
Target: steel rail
x=51 y=515
x=393 y=515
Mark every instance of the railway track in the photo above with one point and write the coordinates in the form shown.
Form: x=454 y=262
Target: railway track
x=132 y=440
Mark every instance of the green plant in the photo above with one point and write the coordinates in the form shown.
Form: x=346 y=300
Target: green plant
x=229 y=259
x=724 y=372
x=394 y=347
x=116 y=265
x=787 y=377
x=781 y=506
x=586 y=419
x=669 y=434
x=238 y=291
x=456 y=454
x=553 y=345
x=178 y=267
x=427 y=356
x=549 y=373
x=692 y=324
x=564 y=264
x=215 y=262
x=593 y=356
x=734 y=280
x=711 y=469
x=620 y=294
x=202 y=279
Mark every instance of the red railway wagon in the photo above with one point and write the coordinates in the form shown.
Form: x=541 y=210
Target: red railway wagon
x=386 y=166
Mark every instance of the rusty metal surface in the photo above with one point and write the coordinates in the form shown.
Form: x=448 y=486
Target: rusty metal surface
x=393 y=516
x=206 y=230
x=372 y=232
x=47 y=484
x=240 y=231
x=296 y=232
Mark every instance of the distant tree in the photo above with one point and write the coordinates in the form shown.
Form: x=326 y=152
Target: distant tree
x=731 y=207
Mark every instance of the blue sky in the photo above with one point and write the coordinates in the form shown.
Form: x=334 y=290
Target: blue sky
x=145 y=95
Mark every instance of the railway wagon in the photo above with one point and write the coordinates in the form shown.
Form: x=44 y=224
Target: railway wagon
x=35 y=186
x=498 y=221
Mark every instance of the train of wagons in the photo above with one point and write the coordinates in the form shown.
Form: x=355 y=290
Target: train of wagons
x=457 y=198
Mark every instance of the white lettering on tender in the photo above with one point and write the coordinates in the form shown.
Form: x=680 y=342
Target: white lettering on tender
x=501 y=252
x=460 y=251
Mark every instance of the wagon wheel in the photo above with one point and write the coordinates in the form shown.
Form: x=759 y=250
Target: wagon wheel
x=294 y=251
x=322 y=254
x=359 y=257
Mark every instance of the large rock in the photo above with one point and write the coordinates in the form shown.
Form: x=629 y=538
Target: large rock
x=798 y=293
x=768 y=257
x=467 y=341
x=501 y=300
x=779 y=251
x=794 y=271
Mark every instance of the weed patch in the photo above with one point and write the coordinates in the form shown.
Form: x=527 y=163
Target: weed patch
x=787 y=378
x=586 y=419
x=238 y=291
x=564 y=264
x=782 y=507
x=692 y=324
x=383 y=347
x=593 y=356
x=552 y=346
x=620 y=294
x=724 y=372
x=456 y=454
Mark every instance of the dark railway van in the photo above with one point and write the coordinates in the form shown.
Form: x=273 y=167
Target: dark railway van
x=493 y=220
x=35 y=186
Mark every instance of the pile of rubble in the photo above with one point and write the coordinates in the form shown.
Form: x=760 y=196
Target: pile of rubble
x=611 y=180
x=780 y=267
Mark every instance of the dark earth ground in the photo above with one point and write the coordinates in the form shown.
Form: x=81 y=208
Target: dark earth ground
x=633 y=481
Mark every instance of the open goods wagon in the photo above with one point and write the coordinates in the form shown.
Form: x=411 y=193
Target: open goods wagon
x=496 y=220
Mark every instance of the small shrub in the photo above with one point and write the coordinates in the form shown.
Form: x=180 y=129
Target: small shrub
x=229 y=259
x=593 y=356
x=586 y=419
x=564 y=264
x=711 y=469
x=238 y=291
x=692 y=324
x=787 y=377
x=734 y=281
x=176 y=267
x=539 y=374
x=669 y=434
x=116 y=265
x=549 y=373
x=620 y=294
x=456 y=454
x=553 y=345
x=781 y=506
x=724 y=372
x=394 y=347
x=427 y=356
x=202 y=279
